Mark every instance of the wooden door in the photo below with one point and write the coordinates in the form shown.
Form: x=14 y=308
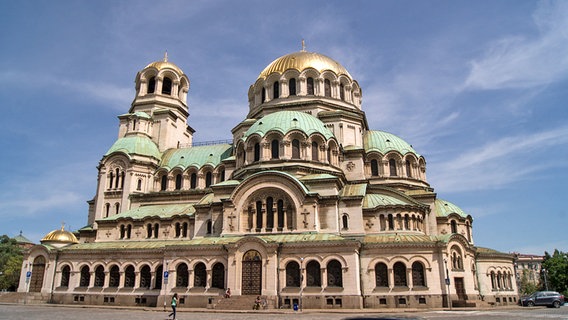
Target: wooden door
x=38 y=269
x=252 y=273
x=460 y=288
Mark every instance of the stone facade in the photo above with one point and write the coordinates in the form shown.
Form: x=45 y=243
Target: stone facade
x=304 y=205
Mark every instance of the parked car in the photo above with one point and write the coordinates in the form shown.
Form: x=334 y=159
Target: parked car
x=543 y=298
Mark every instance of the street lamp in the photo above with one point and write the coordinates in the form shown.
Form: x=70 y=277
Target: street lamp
x=448 y=283
x=545 y=281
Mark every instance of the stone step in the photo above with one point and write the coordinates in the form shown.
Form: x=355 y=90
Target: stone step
x=241 y=303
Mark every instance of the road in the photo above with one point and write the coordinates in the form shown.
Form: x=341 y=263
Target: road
x=55 y=312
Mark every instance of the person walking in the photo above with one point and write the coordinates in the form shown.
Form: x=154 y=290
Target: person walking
x=174 y=305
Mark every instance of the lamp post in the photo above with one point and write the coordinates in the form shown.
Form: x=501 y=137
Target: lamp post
x=301 y=282
x=448 y=283
x=545 y=280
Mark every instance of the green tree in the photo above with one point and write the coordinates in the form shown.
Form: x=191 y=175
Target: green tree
x=11 y=258
x=556 y=269
x=527 y=286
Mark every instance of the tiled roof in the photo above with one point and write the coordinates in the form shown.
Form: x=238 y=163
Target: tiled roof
x=159 y=211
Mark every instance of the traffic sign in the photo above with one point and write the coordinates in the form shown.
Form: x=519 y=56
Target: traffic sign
x=28 y=274
x=166 y=274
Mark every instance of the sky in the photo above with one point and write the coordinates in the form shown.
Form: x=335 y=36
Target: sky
x=479 y=88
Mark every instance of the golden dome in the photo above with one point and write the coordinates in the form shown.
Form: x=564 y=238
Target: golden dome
x=164 y=64
x=302 y=60
x=60 y=236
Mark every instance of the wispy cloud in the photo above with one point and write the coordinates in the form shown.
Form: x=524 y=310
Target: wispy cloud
x=500 y=162
x=518 y=62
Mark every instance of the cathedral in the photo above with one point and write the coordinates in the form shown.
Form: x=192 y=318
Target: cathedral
x=305 y=206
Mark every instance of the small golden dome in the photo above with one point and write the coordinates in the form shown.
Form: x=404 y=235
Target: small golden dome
x=164 y=64
x=60 y=236
x=303 y=60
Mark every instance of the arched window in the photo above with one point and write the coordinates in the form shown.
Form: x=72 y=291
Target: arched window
x=167 y=86
x=381 y=275
x=315 y=151
x=280 y=209
x=85 y=277
x=200 y=275
x=159 y=272
x=107 y=209
x=179 y=181
x=128 y=231
x=209 y=226
x=164 y=183
x=391 y=221
x=129 y=277
x=408 y=169
x=193 y=181
x=292 y=274
x=406 y=222
x=392 y=167
x=493 y=286
x=208 y=179
x=177 y=230
x=152 y=85
x=275 y=148
x=263 y=94
x=454 y=226
x=218 y=276
x=184 y=230
x=374 y=167
x=65 y=274
x=139 y=185
x=111 y=180
x=145 y=277
x=122 y=231
x=313 y=273
x=342 y=92
x=156 y=229
x=292 y=86
x=99 y=276
x=117 y=208
x=276 y=90
x=310 y=86
x=334 y=274
x=257 y=152
x=399 y=270
x=259 y=214
x=418 y=279
x=327 y=87
x=149 y=230
x=182 y=276
x=269 y=213
x=345 y=221
x=114 y=277
x=295 y=149
x=222 y=176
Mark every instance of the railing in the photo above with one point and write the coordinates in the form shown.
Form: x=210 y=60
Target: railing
x=206 y=143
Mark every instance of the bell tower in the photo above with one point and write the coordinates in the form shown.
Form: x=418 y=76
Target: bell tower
x=160 y=109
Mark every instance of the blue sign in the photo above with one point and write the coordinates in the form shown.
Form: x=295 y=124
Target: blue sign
x=28 y=274
x=166 y=274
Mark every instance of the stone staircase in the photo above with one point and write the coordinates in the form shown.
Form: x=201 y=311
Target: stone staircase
x=24 y=298
x=241 y=303
x=463 y=304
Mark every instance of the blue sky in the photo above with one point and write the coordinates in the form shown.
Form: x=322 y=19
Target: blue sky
x=477 y=87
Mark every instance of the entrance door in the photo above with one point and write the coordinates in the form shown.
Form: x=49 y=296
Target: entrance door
x=38 y=269
x=460 y=288
x=252 y=273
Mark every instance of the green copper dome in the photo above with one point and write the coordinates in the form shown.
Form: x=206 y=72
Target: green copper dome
x=385 y=142
x=286 y=121
x=138 y=145
x=445 y=208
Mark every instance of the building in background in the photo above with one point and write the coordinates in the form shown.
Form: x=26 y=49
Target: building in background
x=306 y=205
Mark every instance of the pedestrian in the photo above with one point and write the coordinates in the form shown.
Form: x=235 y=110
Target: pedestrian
x=174 y=305
x=228 y=293
x=257 y=303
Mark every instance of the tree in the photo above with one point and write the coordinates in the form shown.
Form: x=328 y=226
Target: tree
x=11 y=258
x=528 y=286
x=556 y=269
